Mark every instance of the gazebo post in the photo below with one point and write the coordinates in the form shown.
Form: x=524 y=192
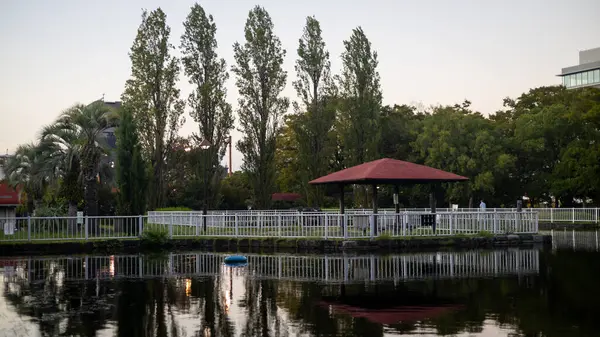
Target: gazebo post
x=374 y=202
x=396 y=197
x=432 y=201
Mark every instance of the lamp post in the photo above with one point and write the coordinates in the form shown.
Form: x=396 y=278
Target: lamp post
x=205 y=145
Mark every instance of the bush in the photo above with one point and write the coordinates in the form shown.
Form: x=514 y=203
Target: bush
x=155 y=237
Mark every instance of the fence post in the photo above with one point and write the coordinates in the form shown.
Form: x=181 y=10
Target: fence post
x=326 y=226
x=235 y=224
x=573 y=213
x=372 y=225
x=345 y=225
x=140 y=225
x=551 y=215
x=279 y=224
x=495 y=222
x=86 y=226
x=451 y=223
x=28 y=228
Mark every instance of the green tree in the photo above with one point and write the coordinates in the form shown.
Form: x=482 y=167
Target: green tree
x=153 y=97
x=86 y=125
x=315 y=109
x=208 y=74
x=260 y=78
x=458 y=140
x=287 y=158
x=131 y=168
x=360 y=91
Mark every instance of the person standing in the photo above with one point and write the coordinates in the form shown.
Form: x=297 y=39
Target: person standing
x=482 y=205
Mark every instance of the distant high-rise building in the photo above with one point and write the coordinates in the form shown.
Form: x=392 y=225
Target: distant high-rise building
x=586 y=74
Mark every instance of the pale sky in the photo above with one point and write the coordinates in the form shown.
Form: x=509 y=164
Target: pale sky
x=57 y=53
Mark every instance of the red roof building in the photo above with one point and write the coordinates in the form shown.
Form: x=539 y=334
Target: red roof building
x=9 y=196
x=285 y=196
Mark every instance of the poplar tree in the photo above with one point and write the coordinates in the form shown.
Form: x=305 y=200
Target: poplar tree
x=153 y=97
x=260 y=78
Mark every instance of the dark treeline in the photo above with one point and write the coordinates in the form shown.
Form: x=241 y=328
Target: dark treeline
x=542 y=144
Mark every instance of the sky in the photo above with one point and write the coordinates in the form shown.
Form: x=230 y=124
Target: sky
x=58 y=53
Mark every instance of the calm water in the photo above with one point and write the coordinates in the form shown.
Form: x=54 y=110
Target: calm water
x=526 y=292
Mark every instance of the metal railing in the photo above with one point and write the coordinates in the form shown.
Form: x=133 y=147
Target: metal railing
x=551 y=215
x=319 y=268
x=279 y=225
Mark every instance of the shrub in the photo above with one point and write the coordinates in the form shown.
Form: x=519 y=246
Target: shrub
x=155 y=237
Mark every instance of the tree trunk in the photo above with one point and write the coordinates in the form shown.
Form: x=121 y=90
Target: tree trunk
x=471 y=201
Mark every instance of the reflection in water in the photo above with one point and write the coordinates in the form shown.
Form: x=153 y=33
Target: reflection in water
x=476 y=293
x=576 y=240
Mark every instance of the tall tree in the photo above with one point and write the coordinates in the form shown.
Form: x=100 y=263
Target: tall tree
x=360 y=91
x=131 y=168
x=316 y=112
x=153 y=97
x=260 y=80
x=208 y=74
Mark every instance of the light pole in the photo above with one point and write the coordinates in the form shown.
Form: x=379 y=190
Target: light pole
x=205 y=145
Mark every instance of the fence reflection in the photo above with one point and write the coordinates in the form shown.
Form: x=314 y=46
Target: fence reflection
x=575 y=240
x=326 y=269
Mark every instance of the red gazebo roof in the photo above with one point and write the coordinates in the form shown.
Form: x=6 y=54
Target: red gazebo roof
x=388 y=171
x=394 y=315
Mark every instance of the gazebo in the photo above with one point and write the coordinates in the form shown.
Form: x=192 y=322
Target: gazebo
x=387 y=171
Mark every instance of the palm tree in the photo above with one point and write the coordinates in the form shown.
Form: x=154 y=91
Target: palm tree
x=61 y=147
x=83 y=126
x=27 y=169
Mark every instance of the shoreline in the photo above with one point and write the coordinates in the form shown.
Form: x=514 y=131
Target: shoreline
x=272 y=245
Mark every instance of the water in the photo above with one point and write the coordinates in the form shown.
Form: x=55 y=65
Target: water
x=511 y=292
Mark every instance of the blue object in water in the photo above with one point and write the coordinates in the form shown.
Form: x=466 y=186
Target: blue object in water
x=236 y=259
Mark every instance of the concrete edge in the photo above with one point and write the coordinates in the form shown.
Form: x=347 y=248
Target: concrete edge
x=272 y=245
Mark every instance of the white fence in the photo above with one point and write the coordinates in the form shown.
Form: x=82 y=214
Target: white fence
x=545 y=215
x=275 y=225
x=314 y=268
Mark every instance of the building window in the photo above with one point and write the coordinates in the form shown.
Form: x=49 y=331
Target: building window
x=565 y=81
x=597 y=76
x=584 y=78
x=573 y=79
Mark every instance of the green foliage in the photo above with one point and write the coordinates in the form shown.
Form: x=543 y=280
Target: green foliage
x=153 y=97
x=155 y=236
x=260 y=79
x=131 y=168
x=236 y=192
